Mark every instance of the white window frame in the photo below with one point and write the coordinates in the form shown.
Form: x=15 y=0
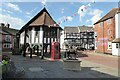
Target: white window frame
x=109 y=44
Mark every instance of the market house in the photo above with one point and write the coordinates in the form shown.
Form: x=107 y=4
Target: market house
x=40 y=30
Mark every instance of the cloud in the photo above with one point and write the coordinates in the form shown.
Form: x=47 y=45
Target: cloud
x=87 y=21
x=43 y=2
x=33 y=10
x=69 y=18
x=62 y=18
x=62 y=10
x=16 y=23
x=82 y=12
x=96 y=13
x=3 y=10
x=29 y=14
x=13 y=6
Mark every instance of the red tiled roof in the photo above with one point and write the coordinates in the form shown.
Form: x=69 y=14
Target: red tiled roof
x=42 y=18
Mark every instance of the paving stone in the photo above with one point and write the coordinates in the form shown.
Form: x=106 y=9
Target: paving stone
x=36 y=69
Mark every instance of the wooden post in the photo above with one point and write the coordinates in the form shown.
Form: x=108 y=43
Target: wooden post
x=42 y=52
x=57 y=34
x=24 y=53
x=50 y=39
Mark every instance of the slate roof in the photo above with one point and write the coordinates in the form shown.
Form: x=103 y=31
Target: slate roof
x=86 y=28
x=42 y=18
x=109 y=15
x=5 y=30
x=69 y=29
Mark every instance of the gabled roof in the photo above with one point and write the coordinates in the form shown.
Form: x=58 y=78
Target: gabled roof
x=109 y=15
x=8 y=31
x=86 y=28
x=78 y=29
x=42 y=18
x=71 y=29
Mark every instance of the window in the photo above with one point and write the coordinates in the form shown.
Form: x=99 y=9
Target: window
x=36 y=33
x=8 y=38
x=108 y=21
x=7 y=45
x=100 y=24
x=119 y=45
x=116 y=45
x=108 y=31
x=109 y=45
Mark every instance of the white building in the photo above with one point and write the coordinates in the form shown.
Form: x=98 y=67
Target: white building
x=116 y=41
x=82 y=36
x=40 y=30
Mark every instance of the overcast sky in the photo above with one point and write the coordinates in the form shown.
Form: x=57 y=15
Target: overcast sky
x=65 y=13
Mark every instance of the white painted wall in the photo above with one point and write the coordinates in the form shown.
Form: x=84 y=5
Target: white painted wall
x=95 y=36
x=22 y=37
x=41 y=35
x=117 y=23
x=62 y=40
x=28 y=38
x=33 y=35
x=115 y=51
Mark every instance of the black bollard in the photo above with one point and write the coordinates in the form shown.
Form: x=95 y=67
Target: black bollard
x=30 y=53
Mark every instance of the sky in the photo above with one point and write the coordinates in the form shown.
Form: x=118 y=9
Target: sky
x=79 y=13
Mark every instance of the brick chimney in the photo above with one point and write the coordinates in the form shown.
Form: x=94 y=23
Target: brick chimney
x=2 y=24
x=8 y=25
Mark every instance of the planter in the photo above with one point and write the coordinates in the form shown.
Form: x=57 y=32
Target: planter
x=72 y=64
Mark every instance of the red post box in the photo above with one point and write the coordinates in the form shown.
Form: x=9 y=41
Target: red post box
x=55 y=50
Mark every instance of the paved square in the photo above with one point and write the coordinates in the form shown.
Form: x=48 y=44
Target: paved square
x=37 y=68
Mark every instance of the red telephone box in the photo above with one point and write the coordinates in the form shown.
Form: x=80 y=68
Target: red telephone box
x=55 y=50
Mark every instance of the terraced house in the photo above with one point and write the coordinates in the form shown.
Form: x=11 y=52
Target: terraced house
x=107 y=31
x=8 y=37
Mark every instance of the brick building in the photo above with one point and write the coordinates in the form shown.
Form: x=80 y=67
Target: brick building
x=7 y=37
x=105 y=32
